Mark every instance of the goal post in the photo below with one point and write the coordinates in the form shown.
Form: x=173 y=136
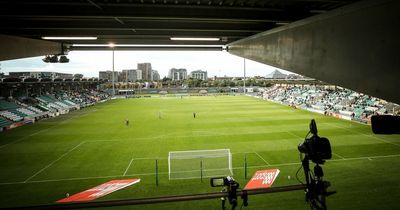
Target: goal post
x=199 y=164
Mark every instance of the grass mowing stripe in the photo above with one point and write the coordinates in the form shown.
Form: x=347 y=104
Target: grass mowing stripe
x=371 y=136
x=242 y=124
x=235 y=168
x=43 y=130
x=41 y=170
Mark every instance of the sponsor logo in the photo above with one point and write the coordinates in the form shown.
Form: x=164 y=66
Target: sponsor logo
x=99 y=191
x=262 y=179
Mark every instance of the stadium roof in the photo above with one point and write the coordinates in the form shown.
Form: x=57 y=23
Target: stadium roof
x=135 y=23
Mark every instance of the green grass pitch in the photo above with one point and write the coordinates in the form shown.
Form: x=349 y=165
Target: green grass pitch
x=40 y=163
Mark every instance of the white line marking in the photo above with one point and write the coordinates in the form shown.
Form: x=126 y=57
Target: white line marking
x=40 y=131
x=126 y=170
x=367 y=157
x=261 y=158
x=339 y=156
x=371 y=136
x=236 y=168
x=41 y=170
x=87 y=141
x=150 y=158
x=13 y=142
x=297 y=136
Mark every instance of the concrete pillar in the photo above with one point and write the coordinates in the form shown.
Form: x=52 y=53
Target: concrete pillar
x=13 y=47
x=356 y=47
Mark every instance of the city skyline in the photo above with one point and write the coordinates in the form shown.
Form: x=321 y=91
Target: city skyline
x=89 y=63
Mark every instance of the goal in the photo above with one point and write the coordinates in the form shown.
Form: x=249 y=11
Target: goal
x=199 y=164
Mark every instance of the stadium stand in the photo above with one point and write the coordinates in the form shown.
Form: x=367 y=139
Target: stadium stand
x=331 y=100
x=30 y=109
x=10 y=111
x=4 y=122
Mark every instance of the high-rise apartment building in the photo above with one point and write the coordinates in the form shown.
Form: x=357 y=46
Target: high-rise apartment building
x=131 y=75
x=156 y=76
x=147 y=74
x=108 y=75
x=199 y=74
x=177 y=74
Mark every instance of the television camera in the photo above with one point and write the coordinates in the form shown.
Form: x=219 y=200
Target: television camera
x=230 y=186
x=314 y=148
x=317 y=149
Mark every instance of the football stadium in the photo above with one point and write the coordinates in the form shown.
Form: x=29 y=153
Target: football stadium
x=82 y=149
x=324 y=135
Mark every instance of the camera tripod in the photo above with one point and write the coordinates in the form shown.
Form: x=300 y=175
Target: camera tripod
x=316 y=187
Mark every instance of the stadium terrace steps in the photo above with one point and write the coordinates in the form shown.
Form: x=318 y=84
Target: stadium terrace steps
x=70 y=103
x=11 y=116
x=7 y=105
x=16 y=112
x=337 y=101
x=4 y=123
x=32 y=108
x=52 y=103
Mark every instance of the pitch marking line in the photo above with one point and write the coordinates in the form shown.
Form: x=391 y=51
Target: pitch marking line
x=339 y=156
x=46 y=167
x=261 y=158
x=40 y=131
x=90 y=141
x=367 y=157
x=371 y=136
x=297 y=136
x=126 y=170
x=236 y=168
x=24 y=137
x=150 y=158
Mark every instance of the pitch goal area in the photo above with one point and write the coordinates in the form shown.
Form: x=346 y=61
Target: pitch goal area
x=199 y=163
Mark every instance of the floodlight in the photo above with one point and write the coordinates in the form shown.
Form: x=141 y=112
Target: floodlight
x=69 y=38
x=194 y=39
x=112 y=45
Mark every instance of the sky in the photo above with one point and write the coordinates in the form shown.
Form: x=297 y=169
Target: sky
x=89 y=63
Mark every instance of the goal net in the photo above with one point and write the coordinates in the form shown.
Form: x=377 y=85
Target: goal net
x=199 y=164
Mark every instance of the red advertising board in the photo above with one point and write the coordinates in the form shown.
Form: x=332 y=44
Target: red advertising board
x=99 y=191
x=262 y=179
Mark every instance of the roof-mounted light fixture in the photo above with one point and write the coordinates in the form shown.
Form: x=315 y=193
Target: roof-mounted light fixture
x=69 y=37
x=194 y=39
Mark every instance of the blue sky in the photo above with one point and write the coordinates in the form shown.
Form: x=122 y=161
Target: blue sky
x=89 y=63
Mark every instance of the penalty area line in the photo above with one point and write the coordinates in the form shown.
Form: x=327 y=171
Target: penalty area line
x=339 y=156
x=261 y=158
x=366 y=135
x=126 y=170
